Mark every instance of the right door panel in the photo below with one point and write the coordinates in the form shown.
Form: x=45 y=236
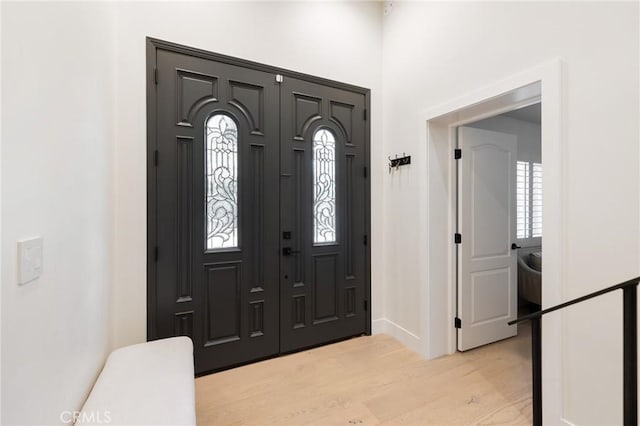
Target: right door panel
x=322 y=213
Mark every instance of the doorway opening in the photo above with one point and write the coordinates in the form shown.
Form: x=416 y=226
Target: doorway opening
x=542 y=83
x=499 y=225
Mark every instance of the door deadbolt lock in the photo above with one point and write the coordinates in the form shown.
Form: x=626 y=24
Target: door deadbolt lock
x=287 y=251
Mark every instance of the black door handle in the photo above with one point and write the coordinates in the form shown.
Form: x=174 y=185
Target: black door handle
x=514 y=246
x=287 y=251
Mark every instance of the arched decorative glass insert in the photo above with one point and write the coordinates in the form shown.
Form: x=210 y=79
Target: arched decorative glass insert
x=324 y=187
x=221 y=182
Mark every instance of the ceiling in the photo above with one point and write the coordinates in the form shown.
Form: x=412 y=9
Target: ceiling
x=532 y=113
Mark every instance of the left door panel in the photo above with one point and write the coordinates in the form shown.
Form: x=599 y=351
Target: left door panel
x=217 y=220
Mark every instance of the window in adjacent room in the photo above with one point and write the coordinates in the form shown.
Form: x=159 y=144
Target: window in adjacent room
x=528 y=200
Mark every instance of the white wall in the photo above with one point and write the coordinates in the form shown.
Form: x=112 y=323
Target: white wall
x=340 y=41
x=63 y=65
x=436 y=52
x=57 y=115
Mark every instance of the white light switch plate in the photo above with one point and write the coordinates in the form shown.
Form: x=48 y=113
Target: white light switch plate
x=29 y=260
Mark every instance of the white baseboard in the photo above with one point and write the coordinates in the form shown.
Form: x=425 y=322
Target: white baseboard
x=404 y=336
x=379 y=326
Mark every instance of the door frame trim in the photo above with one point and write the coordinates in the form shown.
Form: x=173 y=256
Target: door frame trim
x=152 y=47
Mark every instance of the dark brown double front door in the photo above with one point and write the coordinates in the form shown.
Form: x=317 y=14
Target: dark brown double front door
x=257 y=209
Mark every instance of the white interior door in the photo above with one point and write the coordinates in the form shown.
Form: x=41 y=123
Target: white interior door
x=487 y=275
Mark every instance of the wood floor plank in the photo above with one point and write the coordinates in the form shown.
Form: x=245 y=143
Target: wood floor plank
x=372 y=381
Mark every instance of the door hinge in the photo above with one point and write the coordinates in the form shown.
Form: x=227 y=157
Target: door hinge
x=365 y=172
x=457 y=154
x=366 y=305
x=364 y=114
x=155 y=254
x=279 y=78
x=155 y=75
x=156 y=158
x=365 y=240
x=457 y=322
x=457 y=238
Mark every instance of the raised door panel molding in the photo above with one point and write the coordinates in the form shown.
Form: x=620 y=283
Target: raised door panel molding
x=194 y=91
x=325 y=287
x=184 y=172
x=306 y=110
x=223 y=302
x=342 y=115
x=249 y=99
x=183 y=323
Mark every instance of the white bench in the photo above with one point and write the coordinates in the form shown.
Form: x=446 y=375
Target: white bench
x=146 y=384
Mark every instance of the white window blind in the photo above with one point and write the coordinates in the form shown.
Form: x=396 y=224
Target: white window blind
x=522 y=199
x=536 y=200
x=528 y=200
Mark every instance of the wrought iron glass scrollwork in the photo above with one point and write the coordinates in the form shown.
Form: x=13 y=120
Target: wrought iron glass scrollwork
x=221 y=182
x=324 y=187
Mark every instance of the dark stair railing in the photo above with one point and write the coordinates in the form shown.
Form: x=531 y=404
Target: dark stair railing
x=630 y=348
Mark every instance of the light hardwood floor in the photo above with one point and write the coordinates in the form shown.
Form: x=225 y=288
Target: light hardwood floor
x=374 y=380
